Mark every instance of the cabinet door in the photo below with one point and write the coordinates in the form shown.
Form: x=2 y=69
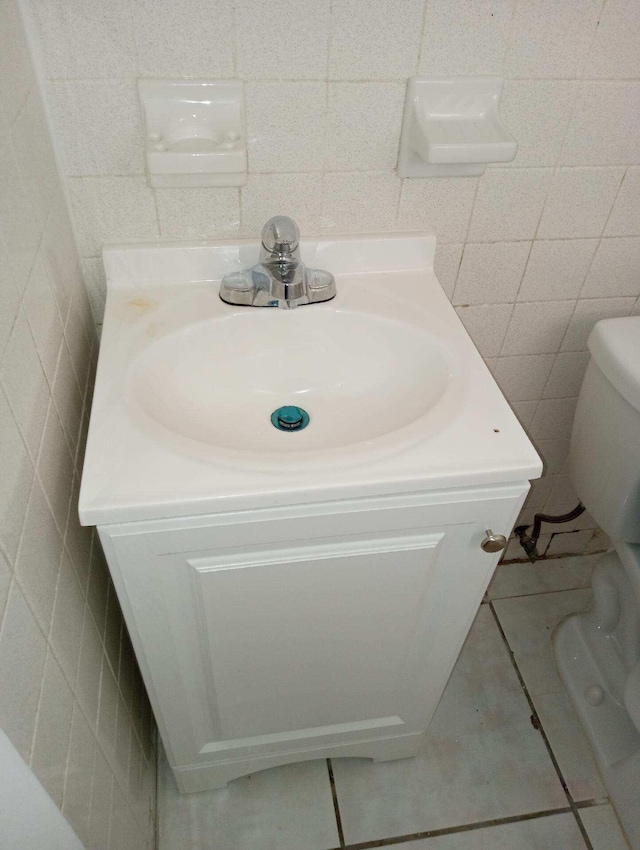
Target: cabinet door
x=315 y=640
x=272 y=648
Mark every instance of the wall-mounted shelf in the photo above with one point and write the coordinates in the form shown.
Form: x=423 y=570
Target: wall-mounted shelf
x=195 y=132
x=452 y=128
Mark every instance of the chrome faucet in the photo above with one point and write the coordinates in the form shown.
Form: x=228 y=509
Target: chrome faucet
x=280 y=279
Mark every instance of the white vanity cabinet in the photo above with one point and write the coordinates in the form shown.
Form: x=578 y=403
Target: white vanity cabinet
x=295 y=595
x=322 y=630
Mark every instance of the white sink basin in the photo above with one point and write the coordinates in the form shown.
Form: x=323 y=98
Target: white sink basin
x=359 y=377
x=399 y=399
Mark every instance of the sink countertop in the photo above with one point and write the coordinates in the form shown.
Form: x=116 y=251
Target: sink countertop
x=137 y=469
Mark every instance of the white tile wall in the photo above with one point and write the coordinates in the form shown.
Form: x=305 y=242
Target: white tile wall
x=87 y=39
x=197 y=213
x=551 y=39
x=537 y=113
x=297 y=195
x=604 y=130
x=24 y=383
x=372 y=39
x=172 y=43
x=16 y=72
x=60 y=644
x=291 y=138
x=523 y=377
x=614 y=270
x=446 y=264
x=556 y=269
x=443 y=206
x=553 y=419
x=282 y=40
x=614 y=52
x=360 y=201
x=465 y=37
x=567 y=374
x=21 y=234
x=363 y=126
x=108 y=209
x=579 y=202
x=491 y=274
x=487 y=325
x=539 y=249
x=525 y=411
x=84 y=111
x=508 y=204
x=625 y=215
x=537 y=328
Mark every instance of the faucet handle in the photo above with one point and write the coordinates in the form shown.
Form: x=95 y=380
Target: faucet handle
x=238 y=288
x=280 y=235
x=321 y=285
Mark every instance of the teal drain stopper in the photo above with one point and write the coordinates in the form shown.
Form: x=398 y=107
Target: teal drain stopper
x=290 y=418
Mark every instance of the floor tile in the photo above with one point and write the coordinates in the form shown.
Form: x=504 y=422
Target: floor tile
x=569 y=542
x=287 y=808
x=544 y=576
x=556 y=832
x=600 y=541
x=570 y=746
x=528 y=623
x=603 y=828
x=482 y=759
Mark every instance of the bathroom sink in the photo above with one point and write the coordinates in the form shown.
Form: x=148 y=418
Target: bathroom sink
x=185 y=407
x=359 y=377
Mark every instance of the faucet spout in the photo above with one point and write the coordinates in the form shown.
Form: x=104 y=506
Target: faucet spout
x=280 y=255
x=280 y=279
x=280 y=239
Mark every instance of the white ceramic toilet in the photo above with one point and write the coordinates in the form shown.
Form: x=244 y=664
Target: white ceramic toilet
x=598 y=651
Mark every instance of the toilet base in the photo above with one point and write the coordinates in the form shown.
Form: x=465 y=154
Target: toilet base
x=598 y=657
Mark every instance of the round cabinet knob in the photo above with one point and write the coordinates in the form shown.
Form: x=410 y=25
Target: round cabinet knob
x=494 y=542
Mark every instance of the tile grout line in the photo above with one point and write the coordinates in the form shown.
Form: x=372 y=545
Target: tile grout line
x=465 y=242
x=250 y=78
x=50 y=649
x=540 y=728
x=587 y=53
x=557 y=167
x=455 y=830
x=336 y=807
x=423 y=31
x=327 y=78
x=593 y=803
x=600 y=238
x=121 y=175
x=510 y=38
x=538 y=592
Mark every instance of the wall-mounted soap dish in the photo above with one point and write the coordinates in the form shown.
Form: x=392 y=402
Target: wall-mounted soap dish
x=452 y=128
x=194 y=132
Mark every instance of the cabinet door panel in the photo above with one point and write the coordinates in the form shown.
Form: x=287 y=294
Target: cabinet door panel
x=314 y=637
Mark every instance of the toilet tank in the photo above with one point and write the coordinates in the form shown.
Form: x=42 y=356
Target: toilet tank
x=604 y=458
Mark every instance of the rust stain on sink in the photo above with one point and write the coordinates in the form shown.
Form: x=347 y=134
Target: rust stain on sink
x=142 y=305
x=134 y=308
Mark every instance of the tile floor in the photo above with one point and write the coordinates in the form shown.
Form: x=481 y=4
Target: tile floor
x=485 y=779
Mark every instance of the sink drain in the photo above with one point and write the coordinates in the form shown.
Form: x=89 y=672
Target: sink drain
x=289 y=418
